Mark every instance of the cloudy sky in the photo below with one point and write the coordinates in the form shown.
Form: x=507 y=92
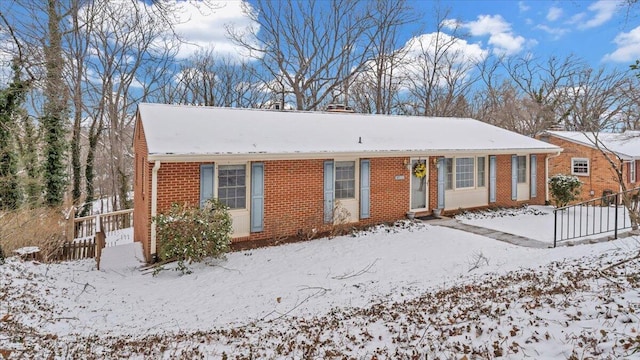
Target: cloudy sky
x=601 y=32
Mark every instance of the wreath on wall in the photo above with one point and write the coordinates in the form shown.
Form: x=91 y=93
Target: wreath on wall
x=420 y=170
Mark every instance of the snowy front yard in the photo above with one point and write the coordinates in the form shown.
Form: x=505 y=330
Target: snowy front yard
x=392 y=292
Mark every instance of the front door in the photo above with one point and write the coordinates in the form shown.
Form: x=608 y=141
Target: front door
x=419 y=184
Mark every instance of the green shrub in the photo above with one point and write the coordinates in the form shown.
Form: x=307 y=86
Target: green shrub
x=564 y=189
x=189 y=234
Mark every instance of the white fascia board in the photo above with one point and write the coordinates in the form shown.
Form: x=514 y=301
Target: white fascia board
x=331 y=155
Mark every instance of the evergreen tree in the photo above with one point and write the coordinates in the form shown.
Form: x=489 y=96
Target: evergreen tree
x=28 y=147
x=11 y=99
x=55 y=111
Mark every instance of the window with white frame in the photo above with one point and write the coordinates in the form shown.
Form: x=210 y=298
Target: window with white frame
x=232 y=188
x=522 y=169
x=464 y=172
x=632 y=171
x=481 y=171
x=345 y=180
x=579 y=166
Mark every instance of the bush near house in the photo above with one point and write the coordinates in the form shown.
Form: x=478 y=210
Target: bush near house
x=189 y=234
x=564 y=189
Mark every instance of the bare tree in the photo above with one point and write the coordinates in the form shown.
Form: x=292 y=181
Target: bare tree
x=441 y=72
x=314 y=47
x=543 y=87
x=77 y=51
x=206 y=79
x=376 y=86
x=132 y=52
x=598 y=100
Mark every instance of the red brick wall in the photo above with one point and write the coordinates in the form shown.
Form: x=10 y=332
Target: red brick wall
x=141 y=190
x=294 y=193
x=433 y=182
x=601 y=176
x=178 y=183
x=541 y=180
x=293 y=198
x=503 y=181
x=389 y=197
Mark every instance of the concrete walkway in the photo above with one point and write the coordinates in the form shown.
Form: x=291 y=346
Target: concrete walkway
x=490 y=233
x=520 y=240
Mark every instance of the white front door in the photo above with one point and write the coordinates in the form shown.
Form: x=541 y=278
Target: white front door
x=419 y=186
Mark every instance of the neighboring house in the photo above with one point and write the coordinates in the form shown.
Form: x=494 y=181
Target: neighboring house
x=283 y=173
x=583 y=159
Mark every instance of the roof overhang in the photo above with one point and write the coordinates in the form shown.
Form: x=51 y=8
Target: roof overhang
x=622 y=156
x=330 y=155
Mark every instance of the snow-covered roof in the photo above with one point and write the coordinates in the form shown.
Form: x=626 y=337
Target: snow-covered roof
x=626 y=144
x=173 y=130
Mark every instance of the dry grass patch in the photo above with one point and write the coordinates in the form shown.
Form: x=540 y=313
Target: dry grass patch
x=45 y=228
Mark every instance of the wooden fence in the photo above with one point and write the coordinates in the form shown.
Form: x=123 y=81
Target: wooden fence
x=89 y=235
x=86 y=226
x=76 y=250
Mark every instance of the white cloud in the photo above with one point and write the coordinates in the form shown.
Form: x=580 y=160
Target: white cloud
x=456 y=62
x=577 y=18
x=556 y=32
x=501 y=37
x=460 y=55
x=460 y=50
x=205 y=28
x=523 y=7
x=554 y=13
x=628 y=47
x=600 y=12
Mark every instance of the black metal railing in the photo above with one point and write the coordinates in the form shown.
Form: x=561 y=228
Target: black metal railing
x=607 y=214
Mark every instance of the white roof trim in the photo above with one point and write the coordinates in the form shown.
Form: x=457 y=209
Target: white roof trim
x=331 y=155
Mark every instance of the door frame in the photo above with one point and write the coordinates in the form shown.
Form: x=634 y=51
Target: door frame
x=426 y=184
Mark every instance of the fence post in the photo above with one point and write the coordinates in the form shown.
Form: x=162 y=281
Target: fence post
x=615 y=221
x=71 y=225
x=100 y=241
x=555 y=226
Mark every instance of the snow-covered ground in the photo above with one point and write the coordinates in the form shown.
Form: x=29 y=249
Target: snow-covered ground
x=392 y=292
x=536 y=222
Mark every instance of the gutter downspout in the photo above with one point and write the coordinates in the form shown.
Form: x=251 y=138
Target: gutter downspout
x=154 y=209
x=546 y=174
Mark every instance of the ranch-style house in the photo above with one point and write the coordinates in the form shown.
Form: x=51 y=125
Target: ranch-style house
x=286 y=173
